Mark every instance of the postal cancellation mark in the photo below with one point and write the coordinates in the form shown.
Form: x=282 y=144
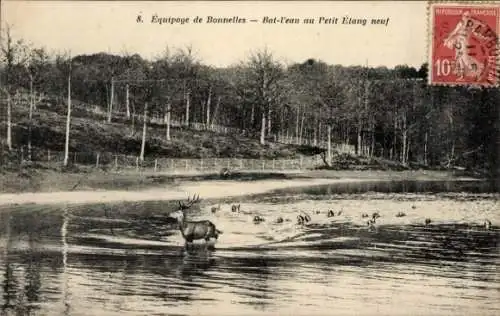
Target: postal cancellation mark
x=464 y=44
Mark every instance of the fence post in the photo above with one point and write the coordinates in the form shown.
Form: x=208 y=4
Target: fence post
x=241 y=163
x=186 y=166
x=263 y=164
x=116 y=162
x=156 y=164
x=97 y=161
x=228 y=163
x=201 y=164
x=22 y=154
x=48 y=155
x=300 y=167
x=137 y=163
x=74 y=158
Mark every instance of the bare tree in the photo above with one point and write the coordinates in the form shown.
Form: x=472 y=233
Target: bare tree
x=263 y=77
x=10 y=50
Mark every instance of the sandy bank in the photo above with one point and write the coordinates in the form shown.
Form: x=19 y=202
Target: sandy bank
x=206 y=189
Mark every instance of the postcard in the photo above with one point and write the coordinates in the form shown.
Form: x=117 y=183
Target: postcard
x=249 y=157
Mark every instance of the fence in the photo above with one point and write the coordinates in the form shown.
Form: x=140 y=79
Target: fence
x=118 y=162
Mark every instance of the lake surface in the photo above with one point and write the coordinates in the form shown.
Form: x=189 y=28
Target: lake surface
x=128 y=259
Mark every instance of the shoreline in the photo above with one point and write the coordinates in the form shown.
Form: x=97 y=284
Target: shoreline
x=207 y=189
x=203 y=188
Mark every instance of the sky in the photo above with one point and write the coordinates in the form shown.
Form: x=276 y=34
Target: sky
x=86 y=27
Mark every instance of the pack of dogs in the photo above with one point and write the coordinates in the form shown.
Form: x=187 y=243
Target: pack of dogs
x=207 y=230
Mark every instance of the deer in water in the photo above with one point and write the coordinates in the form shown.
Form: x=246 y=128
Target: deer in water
x=215 y=209
x=194 y=230
x=303 y=218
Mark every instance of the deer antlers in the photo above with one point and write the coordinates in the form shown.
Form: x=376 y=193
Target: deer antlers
x=190 y=202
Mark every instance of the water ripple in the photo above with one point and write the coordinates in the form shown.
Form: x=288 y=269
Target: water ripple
x=128 y=259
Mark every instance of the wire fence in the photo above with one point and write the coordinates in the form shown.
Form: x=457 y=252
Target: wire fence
x=118 y=162
x=227 y=130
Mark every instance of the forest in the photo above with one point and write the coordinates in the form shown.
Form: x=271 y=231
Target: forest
x=381 y=112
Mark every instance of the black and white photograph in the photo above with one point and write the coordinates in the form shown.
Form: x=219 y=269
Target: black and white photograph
x=249 y=158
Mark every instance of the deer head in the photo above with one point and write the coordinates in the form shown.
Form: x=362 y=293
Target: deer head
x=190 y=202
x=180 y=213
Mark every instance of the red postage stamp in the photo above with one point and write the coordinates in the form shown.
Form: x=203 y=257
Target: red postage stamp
x=464 y=46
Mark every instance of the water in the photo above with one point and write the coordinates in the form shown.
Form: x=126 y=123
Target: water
x=127 y=259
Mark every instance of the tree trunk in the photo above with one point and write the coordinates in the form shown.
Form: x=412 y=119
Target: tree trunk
x=111 y=99
x=452 y=154
x=187 y=108
x=282 y=123
x=407 y=153
x=32 y=99
x=144 y=127
x=315 y=130
x=216 y=110
x=127 y=101
x=395 y=140
x=252 y=117
x=269 y=113
x=360 y=147
x=209 y=100
x=169 y=110
x=372 y=148
x=202 y=119
x=329 y=144
x=425 y=149
x=133 y=119
x=9 y=121
x=302 y=126
x=405 y=144
x=263 y=129
x=347 y=133
x=297 y=125
x=68 y=122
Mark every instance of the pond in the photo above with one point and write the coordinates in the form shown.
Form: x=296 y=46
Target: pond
x=128 y=259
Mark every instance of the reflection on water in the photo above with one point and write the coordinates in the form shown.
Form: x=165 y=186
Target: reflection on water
x=407 y=186
x=126 y=259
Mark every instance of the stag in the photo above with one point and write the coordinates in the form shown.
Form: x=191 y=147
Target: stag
x=194 y=230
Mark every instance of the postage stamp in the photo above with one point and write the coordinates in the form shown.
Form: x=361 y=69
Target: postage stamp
x=463 y=43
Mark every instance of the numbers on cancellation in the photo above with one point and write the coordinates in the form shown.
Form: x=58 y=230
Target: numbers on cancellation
x=443 y=67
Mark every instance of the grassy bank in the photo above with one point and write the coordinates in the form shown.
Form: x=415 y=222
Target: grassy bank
x=81 y=178
x=90 y=133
